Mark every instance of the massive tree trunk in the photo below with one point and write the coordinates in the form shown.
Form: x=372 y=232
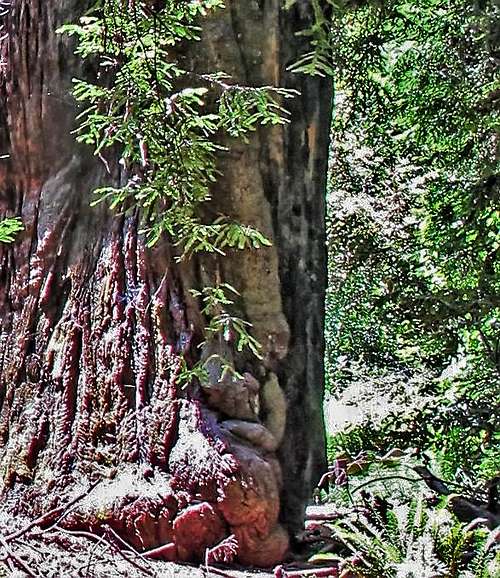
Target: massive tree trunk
x=93 y=324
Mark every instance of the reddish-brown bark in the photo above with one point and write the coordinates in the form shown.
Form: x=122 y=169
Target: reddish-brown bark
x=93 y=324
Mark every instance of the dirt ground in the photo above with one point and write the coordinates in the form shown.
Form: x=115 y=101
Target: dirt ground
x=55 y=552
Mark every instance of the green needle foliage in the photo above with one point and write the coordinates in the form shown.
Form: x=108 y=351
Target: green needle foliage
x=158 y=127
x=154 y=115
x=228 y=327
x=9 y=229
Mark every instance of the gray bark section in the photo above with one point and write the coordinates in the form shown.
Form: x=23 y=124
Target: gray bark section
x=292 y=167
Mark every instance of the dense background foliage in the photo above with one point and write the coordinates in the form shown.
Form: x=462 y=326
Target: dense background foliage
x=413 y=306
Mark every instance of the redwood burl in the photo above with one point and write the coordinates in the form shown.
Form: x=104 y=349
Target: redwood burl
x=93 y=325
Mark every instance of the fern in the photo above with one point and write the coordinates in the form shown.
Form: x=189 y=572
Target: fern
x=486 y=561
x=413 y=542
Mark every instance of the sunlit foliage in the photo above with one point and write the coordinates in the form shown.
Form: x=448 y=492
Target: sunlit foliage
x=9 y=229
x=414 y=219
x=161 y=122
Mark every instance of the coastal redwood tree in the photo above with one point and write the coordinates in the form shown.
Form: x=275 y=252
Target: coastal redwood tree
x=94 y=325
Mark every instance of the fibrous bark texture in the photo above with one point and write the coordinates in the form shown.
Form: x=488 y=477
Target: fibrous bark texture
x=93 y=325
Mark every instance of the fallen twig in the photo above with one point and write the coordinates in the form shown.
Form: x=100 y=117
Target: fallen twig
x=16 y=559
x=155 y=553
x=433 y=482
x=212 y=570
x=127 y=545
x=467 y=511
x=121 y=553
x=317 y=517
x=44 y=518
x=109 y=530
x=91 y=554
x=109 y=544
x=82 y=533
x=318 y=572
x=383 y=479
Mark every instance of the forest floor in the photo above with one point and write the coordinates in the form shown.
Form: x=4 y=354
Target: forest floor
x=58 y=553
x=79 y=557
x=54 y=552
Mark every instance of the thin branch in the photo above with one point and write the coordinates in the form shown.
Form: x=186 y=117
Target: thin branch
x=16 y=559
x=209 y=570
x=127 y=545
x=127 y=559
x=44 y=518
x=383 y=478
